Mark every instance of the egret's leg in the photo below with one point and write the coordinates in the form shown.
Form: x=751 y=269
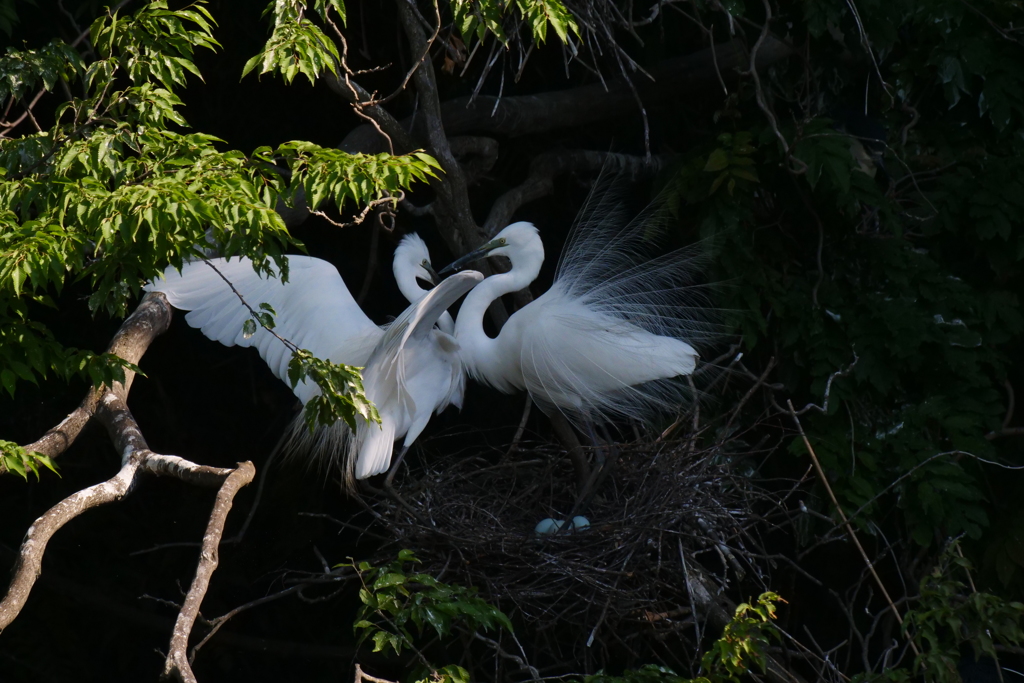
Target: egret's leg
x=391 y=489
x=395 y=465
x=564 y=433
x=605 y=454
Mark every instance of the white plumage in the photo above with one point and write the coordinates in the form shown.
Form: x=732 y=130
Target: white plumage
x=316 y=312
x=414 y=371
x=611 y=333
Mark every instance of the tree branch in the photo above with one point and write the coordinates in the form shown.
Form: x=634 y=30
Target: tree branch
x=543 y=170
x=530 y=114
x=107 y=404
x=30 y=558
x=150 y=320
x=454 y=216
x=177 y=664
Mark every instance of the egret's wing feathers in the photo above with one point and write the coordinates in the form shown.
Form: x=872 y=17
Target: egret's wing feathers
x=315 y=310
x=409 y=376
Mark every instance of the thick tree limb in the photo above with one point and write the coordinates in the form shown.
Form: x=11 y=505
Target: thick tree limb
x=150 y=320
x=476 y=155
x=177 y=664
x=451 y=208
x=530 y=114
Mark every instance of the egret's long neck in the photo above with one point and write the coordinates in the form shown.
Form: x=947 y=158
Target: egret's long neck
x=408 y=286
x=480 y=352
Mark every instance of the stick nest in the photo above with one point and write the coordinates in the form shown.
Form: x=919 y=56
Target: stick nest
x=619 y=586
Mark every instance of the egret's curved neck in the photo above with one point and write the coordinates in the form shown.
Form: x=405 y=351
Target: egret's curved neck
x=408 y=285
x=478 y=350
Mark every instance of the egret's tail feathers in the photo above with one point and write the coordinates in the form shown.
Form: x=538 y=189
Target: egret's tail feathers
x=335 y=447
x=321 y=449
x=372 y=447
x=594 y=366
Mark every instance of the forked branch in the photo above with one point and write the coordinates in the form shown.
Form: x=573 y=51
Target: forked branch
x=108 y=405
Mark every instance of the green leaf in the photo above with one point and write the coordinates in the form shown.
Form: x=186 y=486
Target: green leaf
x=718 y=160
x=14 y=458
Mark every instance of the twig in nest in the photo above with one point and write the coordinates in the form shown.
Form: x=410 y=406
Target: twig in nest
x=746 y=397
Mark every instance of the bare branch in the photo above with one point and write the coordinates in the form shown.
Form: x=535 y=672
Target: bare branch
x=363 y=676
x=177 y=663
x=30 y=559
x=849 y=527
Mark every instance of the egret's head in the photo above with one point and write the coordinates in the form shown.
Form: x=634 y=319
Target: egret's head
x=520 y=242
x=412 y=261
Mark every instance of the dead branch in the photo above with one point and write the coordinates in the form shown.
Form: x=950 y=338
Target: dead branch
x=849 y=527
x=177 y=663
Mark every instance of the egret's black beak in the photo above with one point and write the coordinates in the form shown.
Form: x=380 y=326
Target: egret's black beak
x=434 y=277
x=474 y=255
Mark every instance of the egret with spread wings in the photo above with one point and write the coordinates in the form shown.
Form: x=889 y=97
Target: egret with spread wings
x=315 y=311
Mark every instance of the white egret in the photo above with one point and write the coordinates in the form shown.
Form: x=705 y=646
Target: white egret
x=314 y=308
x=316 y=312
x=608 y=336
x=412 y=264
x=414 y=369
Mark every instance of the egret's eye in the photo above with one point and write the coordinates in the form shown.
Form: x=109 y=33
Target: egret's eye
x=424 y=263
x=501 y=241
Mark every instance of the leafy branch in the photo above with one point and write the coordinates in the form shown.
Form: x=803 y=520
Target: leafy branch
x=14 y=458
x=396 y=602
x=742 y=645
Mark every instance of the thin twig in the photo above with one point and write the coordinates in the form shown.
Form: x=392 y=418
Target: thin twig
x=849 y=527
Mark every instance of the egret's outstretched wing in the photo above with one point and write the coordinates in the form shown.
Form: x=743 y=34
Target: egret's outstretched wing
x=315 y=310
x=410 y=375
